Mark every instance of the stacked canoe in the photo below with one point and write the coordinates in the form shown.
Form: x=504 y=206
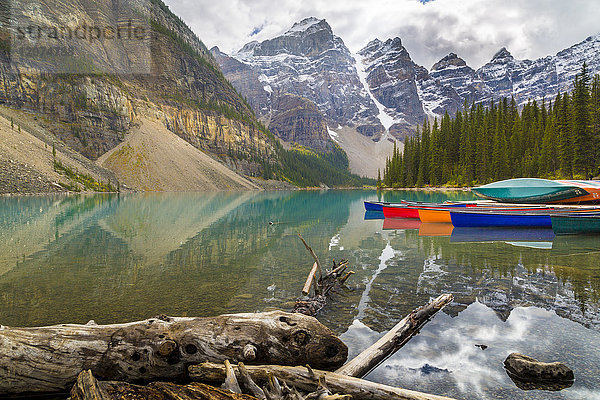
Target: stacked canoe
x=562 y=219
x=512 y=203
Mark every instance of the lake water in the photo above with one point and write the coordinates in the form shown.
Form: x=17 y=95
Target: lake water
x=117 y=258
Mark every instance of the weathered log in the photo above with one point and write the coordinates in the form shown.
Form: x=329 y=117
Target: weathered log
x=308 y=380
x=48 y=359
x=392 y=341
x=88 y=387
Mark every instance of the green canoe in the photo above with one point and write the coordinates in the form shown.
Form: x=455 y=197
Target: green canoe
x=529 y=190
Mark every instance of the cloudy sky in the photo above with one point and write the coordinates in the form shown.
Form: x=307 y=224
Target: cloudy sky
x=474 y=29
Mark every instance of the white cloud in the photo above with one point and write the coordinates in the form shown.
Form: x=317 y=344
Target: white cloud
x=474 y=29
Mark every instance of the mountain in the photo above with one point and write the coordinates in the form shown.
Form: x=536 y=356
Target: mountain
x=90 y=94
x=125 y=94
x=311 y=63
x=297 y=119
x=505 y=76
x=405 y=89
x=410 y=92
x=308 y=61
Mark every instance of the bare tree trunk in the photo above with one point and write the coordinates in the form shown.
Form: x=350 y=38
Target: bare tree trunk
x=308 y=380
x=48 y=359
x=392 y=341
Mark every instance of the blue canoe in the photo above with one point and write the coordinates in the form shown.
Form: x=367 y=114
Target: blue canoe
x=375 y=205
x=479 y=219
x=530 y=191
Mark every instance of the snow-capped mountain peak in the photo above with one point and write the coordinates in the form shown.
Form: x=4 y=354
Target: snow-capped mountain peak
x=307 y=26
x=310 y=61
x=407 y=89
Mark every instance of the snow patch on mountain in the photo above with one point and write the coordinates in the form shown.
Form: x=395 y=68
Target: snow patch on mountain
x=333 y=135
x=303 y=26
x=386 y=119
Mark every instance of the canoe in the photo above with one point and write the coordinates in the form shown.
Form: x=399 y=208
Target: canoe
x=378 y=205
x=375 y=205
x=592 y=188
x=434 y=215
x=442 y=214
x=409 y=210
x=534 y=217
x=496 y=218
x=532 y=190
x=400 y=211
x=575 y=224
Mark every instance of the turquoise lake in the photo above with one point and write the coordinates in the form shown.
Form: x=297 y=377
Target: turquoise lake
x=123 y=257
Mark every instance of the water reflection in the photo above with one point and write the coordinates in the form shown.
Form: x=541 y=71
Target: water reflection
x=461 y=234
x=116 y=258
x=445 y=358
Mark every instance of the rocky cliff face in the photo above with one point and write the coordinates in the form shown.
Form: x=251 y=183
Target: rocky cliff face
x=453 y=72
x=246 y=80
x=308 y=61
x=91 y=97
x=296 y=119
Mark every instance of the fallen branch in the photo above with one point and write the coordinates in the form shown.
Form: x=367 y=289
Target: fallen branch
x=231 y=382
x=392 y=341
x=334 y=279
x=310 y=279
x=308 y=380
x=323 y=285
x=48 y=359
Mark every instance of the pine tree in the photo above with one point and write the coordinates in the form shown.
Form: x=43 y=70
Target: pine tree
x=435 y=155
x=564 y=133
x=552 y=139
x=595 y=116
x=423 y=174
x=583 y=153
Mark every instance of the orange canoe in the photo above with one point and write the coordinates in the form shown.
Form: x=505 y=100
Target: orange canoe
x=433 y=215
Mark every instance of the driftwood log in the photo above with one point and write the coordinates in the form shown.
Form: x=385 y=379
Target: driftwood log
x=392 y=341
x=88 y=387
x=322 y=285
x=308 y=380
x=48 y=359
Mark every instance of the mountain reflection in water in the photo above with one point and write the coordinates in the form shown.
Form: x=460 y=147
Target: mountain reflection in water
x=115 y=258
